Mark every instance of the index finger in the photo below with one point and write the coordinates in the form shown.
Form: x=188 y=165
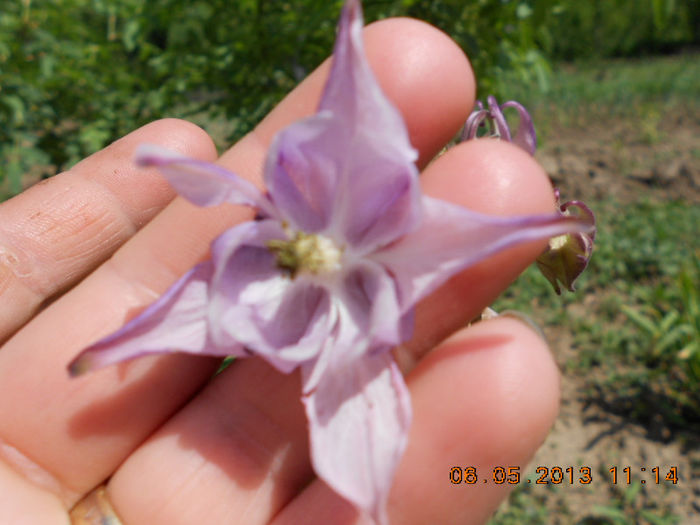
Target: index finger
x=59 y=230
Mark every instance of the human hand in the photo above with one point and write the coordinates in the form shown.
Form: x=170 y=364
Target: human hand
x=178 y=448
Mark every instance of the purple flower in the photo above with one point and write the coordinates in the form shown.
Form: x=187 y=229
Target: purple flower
x=326 y=278
x=524 y=137
x=567 y=255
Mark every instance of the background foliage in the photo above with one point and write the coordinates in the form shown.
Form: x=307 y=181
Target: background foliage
x=76 y=74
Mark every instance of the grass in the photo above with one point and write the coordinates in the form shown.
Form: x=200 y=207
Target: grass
x=625 y=507
x=619 y=85
x=584 y=92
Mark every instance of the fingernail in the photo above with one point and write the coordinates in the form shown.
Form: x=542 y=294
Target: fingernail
x=520 y=316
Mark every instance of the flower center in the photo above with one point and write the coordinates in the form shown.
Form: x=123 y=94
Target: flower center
x=558 y=242
x=306 y=252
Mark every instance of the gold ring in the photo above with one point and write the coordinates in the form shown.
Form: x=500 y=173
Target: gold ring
x=94 y=509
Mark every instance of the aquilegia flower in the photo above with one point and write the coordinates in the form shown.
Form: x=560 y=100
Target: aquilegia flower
x=326 y=277
x=566 y=256
x=524 y=137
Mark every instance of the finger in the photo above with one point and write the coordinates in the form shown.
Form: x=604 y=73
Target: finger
x=23 y=502
x=484 y=398
x=237 y=453
x=414 y=63
x=56 y=232
x=280 y=467
x=492 y=177
x=80 y=430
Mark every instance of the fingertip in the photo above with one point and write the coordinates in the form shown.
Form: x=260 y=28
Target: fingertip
x=178 y=135
x=141 y=193
x=505 y=377
x=422 y=71
x=427 y=75
x=173 y=134
x=490 y=176
x=485 y=397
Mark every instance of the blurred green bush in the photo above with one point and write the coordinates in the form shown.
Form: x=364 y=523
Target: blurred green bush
x=571 y=30
x=76 y=74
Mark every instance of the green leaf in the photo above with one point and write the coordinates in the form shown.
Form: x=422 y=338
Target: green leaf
x=617 y=515
x=16 y=106
x=640 y=320
x=130 y=34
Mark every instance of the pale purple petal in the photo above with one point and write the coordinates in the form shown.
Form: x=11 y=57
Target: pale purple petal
x=379 y=199
x=203 y=183
x=474 y=120
x=365 y=146
x=451 y=238
x=353 y=157
x=177 y=322
x=525 y=137
x=302 y=172
x=353 y=94
x=370 y=297
x=499 y=121
x=284 y=320
x=359 y=417
x=314 y=168
x=367 y=320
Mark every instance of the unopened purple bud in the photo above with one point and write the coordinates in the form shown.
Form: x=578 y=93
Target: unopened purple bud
x=567 y=255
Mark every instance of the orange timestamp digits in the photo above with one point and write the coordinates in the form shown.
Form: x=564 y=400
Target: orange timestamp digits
x=497 y=475
x=558 y=475
x=511 y=475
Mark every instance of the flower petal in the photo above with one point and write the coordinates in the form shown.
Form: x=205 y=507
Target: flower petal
x=452 y=238
x=301 y=172
x=367 y=320
x=354 y=157
x=525 y=136
x=353 y=94
x=369 y=296
x=359 y=417
x=176 y=322
x=284 y=320
x=380 y=151
x=474 y=121
x=203 y=183
x=380 y=198
x=568 y=255
x=499 y=120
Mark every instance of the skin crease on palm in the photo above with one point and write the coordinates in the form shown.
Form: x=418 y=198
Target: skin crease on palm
x=84 y=251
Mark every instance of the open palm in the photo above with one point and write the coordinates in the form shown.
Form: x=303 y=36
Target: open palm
x=84 y=251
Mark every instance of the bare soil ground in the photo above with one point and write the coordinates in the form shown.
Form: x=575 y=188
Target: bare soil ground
x=628 y=161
